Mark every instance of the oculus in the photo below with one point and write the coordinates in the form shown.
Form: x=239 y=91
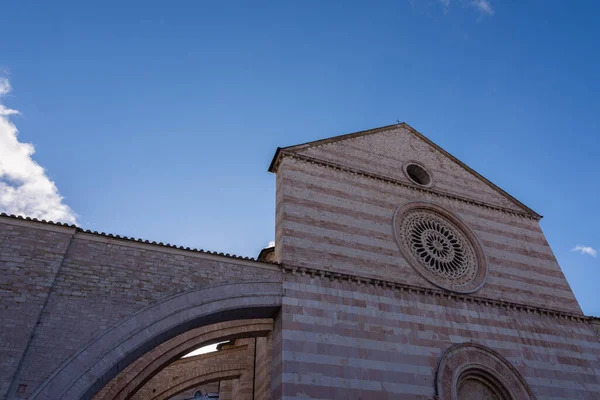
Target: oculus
x=440 y=247
x=417 y=174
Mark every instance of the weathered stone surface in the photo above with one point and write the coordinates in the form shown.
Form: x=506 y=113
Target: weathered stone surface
x=233 y=363
x=105 y=290
x=340 y=340
x=334 y=220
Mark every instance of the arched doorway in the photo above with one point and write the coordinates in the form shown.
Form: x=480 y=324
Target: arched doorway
x=134 y=376
x=95 y=364
x=470 y=371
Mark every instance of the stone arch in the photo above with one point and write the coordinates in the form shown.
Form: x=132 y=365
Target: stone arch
x=144 y=368
x=100 y=360
x=481 y=367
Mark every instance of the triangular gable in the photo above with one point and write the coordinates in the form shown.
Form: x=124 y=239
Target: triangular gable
x=383 y=151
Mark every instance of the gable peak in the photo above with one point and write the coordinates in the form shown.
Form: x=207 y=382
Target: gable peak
x=305 y=148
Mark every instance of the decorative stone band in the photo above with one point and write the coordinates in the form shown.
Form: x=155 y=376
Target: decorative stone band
x=282 y=154
x=470 y=367
x=466 y=298
x=440 y=246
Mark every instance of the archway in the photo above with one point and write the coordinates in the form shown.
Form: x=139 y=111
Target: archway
x=95 y=364
x=469 y=371
x=144 y=368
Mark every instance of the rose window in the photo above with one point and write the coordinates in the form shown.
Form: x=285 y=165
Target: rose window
x=440 y=247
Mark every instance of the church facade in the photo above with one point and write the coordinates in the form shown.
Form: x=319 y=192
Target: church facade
x=398 y=272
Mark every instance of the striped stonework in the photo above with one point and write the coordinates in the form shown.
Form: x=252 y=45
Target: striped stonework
x=358 y=320
x=343 y=340
x=335 y=220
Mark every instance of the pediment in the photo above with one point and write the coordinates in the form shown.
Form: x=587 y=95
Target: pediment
x=387 y=151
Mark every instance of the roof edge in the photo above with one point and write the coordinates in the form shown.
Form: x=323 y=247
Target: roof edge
x=272 y=166
x=292 y=149
x=353 y=135
x=132 y=239
x=471 y=170
x=320 y=142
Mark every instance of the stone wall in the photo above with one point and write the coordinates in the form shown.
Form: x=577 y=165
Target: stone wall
x=383 y=152
x=231 y=363
x=262 y=380
x=343 y=340
x=276 y=358
x=339 y=221
x=225 y=390
x=29 y=261
x=87 y=284
x=208 y=389
x=243 y=387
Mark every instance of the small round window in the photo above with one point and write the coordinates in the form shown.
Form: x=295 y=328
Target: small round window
x=418 y=174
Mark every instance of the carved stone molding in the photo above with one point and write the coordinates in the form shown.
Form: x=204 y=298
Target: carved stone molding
x=402 y=287
x=470 y=370
x=440 y=246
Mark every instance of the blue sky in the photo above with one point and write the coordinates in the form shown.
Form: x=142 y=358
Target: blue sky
x=159 y=120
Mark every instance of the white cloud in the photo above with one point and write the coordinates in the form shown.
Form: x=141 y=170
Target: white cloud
x=271 y=244
x=25 y=189
x=590 y=251
x=483 y=6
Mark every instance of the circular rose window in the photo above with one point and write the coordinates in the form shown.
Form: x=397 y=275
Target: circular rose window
x=440 y=247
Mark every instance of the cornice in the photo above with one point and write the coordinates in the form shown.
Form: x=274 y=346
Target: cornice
x=281 y=154
x=385 y=284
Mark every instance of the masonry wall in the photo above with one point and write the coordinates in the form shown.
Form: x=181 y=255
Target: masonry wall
x=227 y=361
x=29 y=260
x=100 y=282
x=208 y=389
x=339 y=221
x=262 y=380
x=277 y=357
x=243 y=387
x=225 y=389
x=344 y=340
x=384 y=153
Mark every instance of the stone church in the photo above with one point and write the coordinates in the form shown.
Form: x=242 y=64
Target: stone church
x=398 y=272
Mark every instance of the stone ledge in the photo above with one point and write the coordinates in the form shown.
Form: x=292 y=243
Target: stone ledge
x=380 y=283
